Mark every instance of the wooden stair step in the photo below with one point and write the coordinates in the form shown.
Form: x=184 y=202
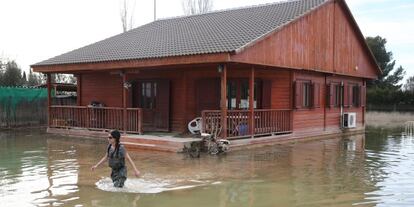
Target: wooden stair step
x=145 y=146
x=154 y=142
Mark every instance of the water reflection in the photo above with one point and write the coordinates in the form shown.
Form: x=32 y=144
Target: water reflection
x=33 y=171
x=38 y=169
x=391 y=163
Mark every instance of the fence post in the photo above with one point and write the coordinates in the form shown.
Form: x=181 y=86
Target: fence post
x=49 y=100
x=251 y=102
x=140 y=121
x=124 y=101
x=223 y=106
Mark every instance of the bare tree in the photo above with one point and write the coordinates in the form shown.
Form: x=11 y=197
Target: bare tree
x=191 y=7
x=127 y=14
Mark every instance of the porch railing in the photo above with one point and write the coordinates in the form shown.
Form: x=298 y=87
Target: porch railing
x=266 y=122
x=96 y=118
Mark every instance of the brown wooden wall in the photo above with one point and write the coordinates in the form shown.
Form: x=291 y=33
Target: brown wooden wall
x=333 y=113
x=102 y=87
x=351 y=58
x=324 y=118
x=323 y=40
x=107 y=88
x=280 y=87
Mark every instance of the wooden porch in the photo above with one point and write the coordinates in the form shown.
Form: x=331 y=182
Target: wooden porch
x=243 y=124
x=129 y=120
x=223 y=117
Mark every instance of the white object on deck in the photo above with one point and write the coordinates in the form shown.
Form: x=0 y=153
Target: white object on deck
x=194 y=126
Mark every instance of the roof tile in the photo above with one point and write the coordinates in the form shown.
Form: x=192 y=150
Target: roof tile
x=214 y=32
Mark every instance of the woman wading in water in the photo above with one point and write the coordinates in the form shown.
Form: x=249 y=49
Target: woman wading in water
x=116 y=154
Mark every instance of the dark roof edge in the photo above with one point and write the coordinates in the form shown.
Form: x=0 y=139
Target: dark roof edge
x=37 y=65
x=222 y=57
x=258 y=39
x=122 y=33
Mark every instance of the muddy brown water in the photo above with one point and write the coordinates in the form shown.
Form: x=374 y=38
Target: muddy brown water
x=375 y=169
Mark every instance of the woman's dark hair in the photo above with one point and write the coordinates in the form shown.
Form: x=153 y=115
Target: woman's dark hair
x=116 y=135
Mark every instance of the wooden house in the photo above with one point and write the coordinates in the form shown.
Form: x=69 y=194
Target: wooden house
x=292 y=68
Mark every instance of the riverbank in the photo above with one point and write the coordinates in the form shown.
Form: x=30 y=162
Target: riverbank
x=388 y=119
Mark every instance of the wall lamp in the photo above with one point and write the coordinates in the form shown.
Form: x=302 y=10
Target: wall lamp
x=220 y=68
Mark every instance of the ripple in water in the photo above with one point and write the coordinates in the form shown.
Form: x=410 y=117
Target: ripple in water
x=141 y=185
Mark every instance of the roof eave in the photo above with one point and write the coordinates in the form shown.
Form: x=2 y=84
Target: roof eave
x=134 y=63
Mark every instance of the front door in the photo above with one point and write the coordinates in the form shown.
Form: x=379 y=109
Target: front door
x=153 y=96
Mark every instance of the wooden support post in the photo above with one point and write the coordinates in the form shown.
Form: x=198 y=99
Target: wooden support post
x=251 y=101
x=223 y=99
x=49 y=99
x=325 y=103
x=79 y=89
x=185 y=97
x=364 y=84
x=292 y=96
x=124 y=100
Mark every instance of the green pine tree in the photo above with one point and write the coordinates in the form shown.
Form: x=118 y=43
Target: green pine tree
x=13 y=75
x=389 y=78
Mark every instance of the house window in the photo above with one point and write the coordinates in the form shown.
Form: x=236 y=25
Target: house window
x=148 y=94
x=238 y=94
x=306 y=95
x=334 y=95
x=337 y=95
x=231 y=95
x=244 y=95
x=356 y=94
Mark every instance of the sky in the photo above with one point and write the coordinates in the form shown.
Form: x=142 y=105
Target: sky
x=32 y=31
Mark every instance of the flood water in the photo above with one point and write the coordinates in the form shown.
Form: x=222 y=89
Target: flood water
x=38 y=169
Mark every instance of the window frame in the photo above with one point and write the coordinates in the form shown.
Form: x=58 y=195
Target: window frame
x=148 y=94
x=304 y=94
x=239 y=89
x=307 y=95
x=356 y=95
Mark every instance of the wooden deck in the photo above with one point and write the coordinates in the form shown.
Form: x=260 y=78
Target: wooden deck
x=245 y=123
x=96 y=118
x=168 y=142
x=239 y=123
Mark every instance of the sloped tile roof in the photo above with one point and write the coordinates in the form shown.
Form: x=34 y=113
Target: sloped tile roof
x=214 y=32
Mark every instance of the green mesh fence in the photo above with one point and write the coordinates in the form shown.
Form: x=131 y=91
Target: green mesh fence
x=22 y=106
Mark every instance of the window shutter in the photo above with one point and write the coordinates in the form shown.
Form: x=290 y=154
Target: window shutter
x=137 y=95
x=350 y=95
x=316 y=95
x=208 y=94
x=346 y=95
x=330 y=97
x=298 y=94
x=266 y=94
x=363 y=95
x=162 y=108
x=358 y=95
